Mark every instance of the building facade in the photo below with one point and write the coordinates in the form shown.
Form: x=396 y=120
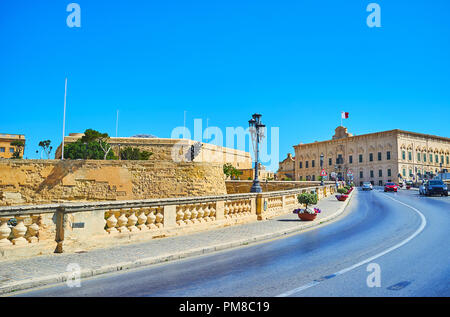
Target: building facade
x=6 y=149
x=286 y=169
x=389 y=156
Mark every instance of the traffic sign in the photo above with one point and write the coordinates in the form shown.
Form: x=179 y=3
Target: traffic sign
x=323 y=173
x=349 y=173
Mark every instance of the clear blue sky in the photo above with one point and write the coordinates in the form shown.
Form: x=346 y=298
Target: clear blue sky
x=299 y=63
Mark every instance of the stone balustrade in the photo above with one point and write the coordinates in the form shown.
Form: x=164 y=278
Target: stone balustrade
x=42 y=229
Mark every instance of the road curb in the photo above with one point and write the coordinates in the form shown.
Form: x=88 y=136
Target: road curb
x=63 y=277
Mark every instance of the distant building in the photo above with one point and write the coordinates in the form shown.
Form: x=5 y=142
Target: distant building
x=263 y=174
x=6 y=149
x=286 y=168
x=376 y=157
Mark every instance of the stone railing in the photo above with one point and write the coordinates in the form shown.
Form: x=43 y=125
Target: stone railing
x=70 y=227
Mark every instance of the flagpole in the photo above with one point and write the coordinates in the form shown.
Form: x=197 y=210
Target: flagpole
x=64 y=120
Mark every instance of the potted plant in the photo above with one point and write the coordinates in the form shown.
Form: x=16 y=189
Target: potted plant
x=306 y=199
x=343 y=194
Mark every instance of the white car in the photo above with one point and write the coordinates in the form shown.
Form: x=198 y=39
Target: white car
x=367 y=186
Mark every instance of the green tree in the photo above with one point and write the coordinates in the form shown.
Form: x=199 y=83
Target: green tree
x=230 y=171
x=307 y=199
x=45 y=145
x=92 y=136
x=130 y=153
x=18 y=147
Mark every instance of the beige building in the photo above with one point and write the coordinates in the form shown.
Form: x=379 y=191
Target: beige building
x=376 y=157
x=173 y=149
x=286 y=169
x=263 y=174
x=6 y=149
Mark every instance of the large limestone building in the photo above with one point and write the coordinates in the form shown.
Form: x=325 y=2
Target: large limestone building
x=376 y=157
x=286 y=169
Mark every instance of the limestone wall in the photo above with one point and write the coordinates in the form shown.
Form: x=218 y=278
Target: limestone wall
x=244 y=186
x=46 y=181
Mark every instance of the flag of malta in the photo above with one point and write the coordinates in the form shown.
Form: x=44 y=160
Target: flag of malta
x=344 y=115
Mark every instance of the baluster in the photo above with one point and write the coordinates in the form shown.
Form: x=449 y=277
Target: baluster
x=187 y=215
x=206 y=213
x=151 y=219
x=159 y=218
x=226 y=211
x=111 y=221
x=142 y=219
x=201 y=214
x=194 y=214
x=4 y=231
x=132 y=220
x=212 y=212
x=123 y=221
x=180 y=216
x=33 y=229
x=19 y=231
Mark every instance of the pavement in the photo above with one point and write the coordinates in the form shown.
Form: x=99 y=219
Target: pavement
x=39 y=271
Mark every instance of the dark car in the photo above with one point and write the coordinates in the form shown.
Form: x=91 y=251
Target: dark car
x=390 y=187
x=436 y=187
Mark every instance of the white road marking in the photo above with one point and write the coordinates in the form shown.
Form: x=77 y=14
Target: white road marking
x=419 y=230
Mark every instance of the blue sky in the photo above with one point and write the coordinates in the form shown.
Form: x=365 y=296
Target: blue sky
x=299 y=63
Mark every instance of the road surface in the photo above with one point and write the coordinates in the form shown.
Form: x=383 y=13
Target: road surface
x=398 y=242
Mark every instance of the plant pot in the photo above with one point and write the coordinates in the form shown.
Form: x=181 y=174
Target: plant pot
x=306 y=216
x=341 y=197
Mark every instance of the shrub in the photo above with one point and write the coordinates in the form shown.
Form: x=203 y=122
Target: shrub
x=307 y=199
x=342 y=190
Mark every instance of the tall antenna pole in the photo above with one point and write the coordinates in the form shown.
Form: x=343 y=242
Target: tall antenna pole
x=64 y=120
x=117 y=122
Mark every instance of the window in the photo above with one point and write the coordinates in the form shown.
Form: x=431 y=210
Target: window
x=11 y=150
x=380 y=183
x=380 y=173
x=2 y=149
x=424 y=157
x=371 y=174
x=410 y=172
x=330 y=161
x=314 y=177
x=306 y=164
x=431 y=158
x=360 y=158
x=388 y=155
x=379 y=156
x=339 y=159
x=403 y=155
x=301 y=178
x=404 y=172
x=418 y=157
x=410 y=156
x=436 y=158
x=301 y=164
x=350 y=159
x=371 y=157
x=313 y=163
x=447 y=160
x=442 y=159
x=360 y=174
x=360 y=184
x=389 y=172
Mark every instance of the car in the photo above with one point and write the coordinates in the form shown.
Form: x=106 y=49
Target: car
x=422 y=188
x=367 y=186
x=390 y=187
x=436 y=186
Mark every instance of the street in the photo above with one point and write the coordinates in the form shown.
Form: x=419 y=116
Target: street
x=405 y=234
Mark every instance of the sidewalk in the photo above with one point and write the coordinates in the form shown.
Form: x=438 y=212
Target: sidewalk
x=43 y=270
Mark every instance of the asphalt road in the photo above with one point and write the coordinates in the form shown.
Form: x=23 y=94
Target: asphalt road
x=403 y=234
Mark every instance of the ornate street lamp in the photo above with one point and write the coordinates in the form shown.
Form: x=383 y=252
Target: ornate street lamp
x=321 y=167
x=257 y=132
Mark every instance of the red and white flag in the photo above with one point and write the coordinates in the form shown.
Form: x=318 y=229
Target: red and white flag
x=344 y=115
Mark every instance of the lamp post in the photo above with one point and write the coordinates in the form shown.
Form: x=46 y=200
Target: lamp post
x=321 y=167
x=257 y=132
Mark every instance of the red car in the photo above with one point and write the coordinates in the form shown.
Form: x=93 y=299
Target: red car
x=390 y=187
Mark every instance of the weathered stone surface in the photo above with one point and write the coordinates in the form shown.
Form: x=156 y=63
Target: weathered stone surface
x=47 y=181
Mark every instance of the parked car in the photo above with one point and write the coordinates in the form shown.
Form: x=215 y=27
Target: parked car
x=390 y=187
x=436 y=187
x=367 y=186
x=422 y=188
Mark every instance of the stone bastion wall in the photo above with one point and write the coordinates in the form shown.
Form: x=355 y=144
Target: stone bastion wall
x=24 y=182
